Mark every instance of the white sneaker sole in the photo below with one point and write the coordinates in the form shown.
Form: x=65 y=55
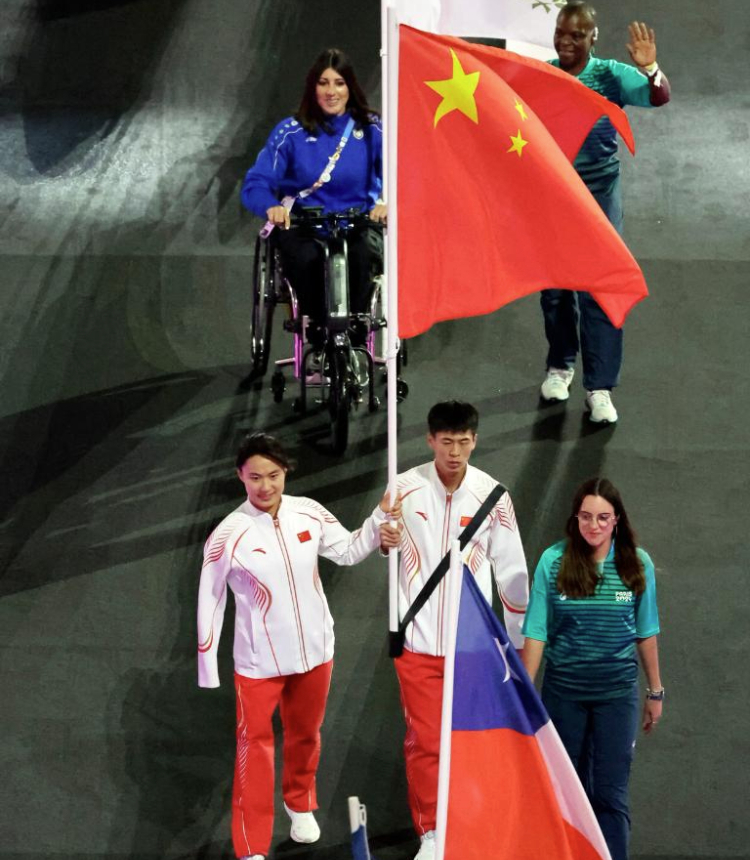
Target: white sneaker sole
x=600 y=420
x=561 y=398
x=295 y=838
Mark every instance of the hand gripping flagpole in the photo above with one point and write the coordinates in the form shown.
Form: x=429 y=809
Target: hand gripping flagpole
x=455 y=581
x=389 y=62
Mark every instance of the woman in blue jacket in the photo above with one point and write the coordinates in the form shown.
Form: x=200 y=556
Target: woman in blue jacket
x=328 y=156
x=592 y=612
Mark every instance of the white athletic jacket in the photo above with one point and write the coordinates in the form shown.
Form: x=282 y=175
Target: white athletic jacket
x=282 y=622
x=432 y=519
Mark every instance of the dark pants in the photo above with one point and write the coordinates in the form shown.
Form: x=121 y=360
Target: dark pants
x=600 y=740
x=565 y=310
x=302 y=258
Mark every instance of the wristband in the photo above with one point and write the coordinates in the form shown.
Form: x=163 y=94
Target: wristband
x=652 y=69
x=655 y=695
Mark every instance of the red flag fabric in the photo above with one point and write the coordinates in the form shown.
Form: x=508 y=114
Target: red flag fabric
x=489 y=206
x=508 y=767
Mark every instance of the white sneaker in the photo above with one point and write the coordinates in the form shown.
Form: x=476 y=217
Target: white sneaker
x=304 y=826
x=427 y=848
x=557 y=384
x=253 y=857
x=599 y=403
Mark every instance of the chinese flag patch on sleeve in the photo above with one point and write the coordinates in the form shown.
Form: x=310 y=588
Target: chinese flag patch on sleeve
x=304 y=536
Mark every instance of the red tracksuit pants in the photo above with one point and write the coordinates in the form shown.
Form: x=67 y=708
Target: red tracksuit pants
x=420 y=677
x=302 y=702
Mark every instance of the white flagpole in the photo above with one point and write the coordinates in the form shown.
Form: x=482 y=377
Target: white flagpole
x=455 y=580
x=357 y=814
x=389 y=54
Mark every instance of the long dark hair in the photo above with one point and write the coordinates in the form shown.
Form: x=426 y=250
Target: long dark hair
x=579 y=575
x=309 y=114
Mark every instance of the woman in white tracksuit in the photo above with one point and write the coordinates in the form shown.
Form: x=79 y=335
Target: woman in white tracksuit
x=267 y=552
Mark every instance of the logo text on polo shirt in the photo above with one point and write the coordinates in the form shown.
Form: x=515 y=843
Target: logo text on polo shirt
x=623 y=597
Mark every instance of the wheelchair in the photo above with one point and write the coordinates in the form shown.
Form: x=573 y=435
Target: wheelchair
x=340 y=373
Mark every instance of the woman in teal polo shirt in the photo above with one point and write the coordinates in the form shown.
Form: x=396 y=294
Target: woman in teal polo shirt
x=592 y=612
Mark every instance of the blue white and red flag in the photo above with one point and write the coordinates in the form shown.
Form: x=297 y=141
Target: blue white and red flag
x=513 y=792
x=358 y=827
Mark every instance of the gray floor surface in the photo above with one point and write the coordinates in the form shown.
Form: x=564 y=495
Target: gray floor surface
x=124 y=131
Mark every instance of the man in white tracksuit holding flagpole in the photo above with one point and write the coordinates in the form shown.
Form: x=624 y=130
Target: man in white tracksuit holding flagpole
x=438 y=500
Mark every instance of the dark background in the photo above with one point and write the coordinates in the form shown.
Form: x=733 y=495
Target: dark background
x=125 y=128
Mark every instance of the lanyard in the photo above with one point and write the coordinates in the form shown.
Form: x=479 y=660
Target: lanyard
x=324 y=177
x=397 y=637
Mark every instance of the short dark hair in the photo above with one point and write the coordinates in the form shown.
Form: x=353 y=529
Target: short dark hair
x=263 y=445
x=579 y=7
x=309 y=113
x=452 y=416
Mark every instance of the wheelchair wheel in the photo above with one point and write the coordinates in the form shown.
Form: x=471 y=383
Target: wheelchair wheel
x=264 y=300
x=339 y=401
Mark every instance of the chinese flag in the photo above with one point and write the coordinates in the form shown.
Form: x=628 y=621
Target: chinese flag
x=489 y=206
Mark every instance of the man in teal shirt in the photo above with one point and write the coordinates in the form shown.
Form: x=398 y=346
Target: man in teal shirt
x=599 y=167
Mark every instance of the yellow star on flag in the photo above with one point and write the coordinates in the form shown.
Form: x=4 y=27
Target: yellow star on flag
x=518 y=143
x=457 y=92
x=520 y=109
